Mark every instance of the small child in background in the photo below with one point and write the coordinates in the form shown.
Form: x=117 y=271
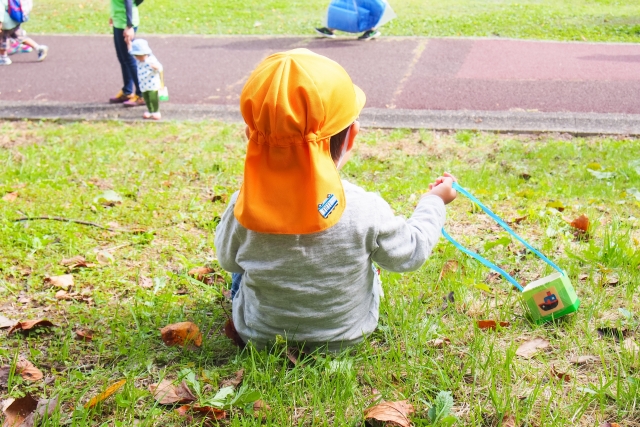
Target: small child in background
x=301 y=243
x=149 y=70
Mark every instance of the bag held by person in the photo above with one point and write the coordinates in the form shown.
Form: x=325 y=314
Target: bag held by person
x=19 y=10
x=163 y=93
x=355 y=16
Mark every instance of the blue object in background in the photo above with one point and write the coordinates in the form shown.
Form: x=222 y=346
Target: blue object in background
x=354 y=16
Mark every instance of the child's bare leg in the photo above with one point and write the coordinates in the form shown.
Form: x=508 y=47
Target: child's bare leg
x=30 y=42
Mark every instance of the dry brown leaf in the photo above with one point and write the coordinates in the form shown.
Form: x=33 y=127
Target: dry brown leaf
x=166 y=393
x=630 y=345
x=509 y=420
x=182 y=333
x=84 y=335
x=10 y=197
x=6 y=323
x=17 y=410
x=145 y=282
x=200 y=273
x=491 y=324
x=76 y=262
x=259 y=408
x=27 y=370
x=27 y=325
x=529 y=348
x=581 y=223
x=439 y=342
x=583 y=277
x=609 y=425
x=105 y=394
x=63 y=295
x=231 y=333
x=104 y=257
x=235 y=381
x=45 y=406
x=450 y=266
x=519 y=219
x=65 y=281
x=559 y=375
x=210 y=412
x=583 y=360
x=292 y=355
x=390 y=412
x=612 y=280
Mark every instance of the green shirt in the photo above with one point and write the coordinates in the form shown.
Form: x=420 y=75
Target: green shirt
x=119 y=14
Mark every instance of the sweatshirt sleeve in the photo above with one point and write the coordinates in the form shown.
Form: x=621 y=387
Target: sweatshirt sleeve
x=404 y=245
x=128 y=6
x=226 y=239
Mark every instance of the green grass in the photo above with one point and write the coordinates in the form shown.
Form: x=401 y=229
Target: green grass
x=592 y=20
x=167 y=175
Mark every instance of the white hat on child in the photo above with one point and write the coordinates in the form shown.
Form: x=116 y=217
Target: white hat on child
x=140 y=47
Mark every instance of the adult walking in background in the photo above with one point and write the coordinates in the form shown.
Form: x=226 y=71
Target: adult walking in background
x=125 y=20
x=354 y=16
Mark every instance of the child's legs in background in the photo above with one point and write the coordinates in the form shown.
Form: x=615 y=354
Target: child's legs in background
x=236 y=278
x=152 y=100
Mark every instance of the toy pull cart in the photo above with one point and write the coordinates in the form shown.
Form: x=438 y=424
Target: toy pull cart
x=546 y=299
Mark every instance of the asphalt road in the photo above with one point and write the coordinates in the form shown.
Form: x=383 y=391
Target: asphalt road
x=395 y=72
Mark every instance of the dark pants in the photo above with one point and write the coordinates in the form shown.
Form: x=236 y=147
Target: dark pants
x=152 y=100
x=236 y=279
x=127 y=63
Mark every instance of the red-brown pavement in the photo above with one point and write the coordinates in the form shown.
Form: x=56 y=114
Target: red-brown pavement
x=404 y=73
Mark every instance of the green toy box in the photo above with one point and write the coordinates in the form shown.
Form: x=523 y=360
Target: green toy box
x=550 y=298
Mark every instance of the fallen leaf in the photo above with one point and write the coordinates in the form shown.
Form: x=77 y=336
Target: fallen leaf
x=583 y=360
x=450 y=266
x=493 y=277
x=609 y=425
x=181 y=333
x=559 y=375
x=390 y=412
x=145 y=282
x=17 y=410
x=519 y=219
x=75 y=262
x=557 y=205
x=84 y=335
x=63 y=295
x=509 y=421
x=581 y=223
x=44 y=408
x=260 y=408
x=526 y=176
x=105 y=257
x=65 y=281
x=630 y=345
x=292 y=355
x=219 y=198
x=28 y=371
x=10 y=197
x=210 y=412
x=439 y=342
x=491 y=324
x=529 y=348
x=583 y=277
x=108 y=198
x=166 y=393
x=105 y=394
x=231 y=333
x=612 y=280
x=235 y=381
x=199 y=273
x=27 y=325
x=6 y=323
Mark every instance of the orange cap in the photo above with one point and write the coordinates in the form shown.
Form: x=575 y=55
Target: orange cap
x=293 y=103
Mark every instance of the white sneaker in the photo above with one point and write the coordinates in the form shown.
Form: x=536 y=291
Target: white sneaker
x=42 y=52
x=146 y=115
x=156 y=116
x=4 y=60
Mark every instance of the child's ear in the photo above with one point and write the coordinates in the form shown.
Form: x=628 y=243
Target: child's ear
x=353 y=132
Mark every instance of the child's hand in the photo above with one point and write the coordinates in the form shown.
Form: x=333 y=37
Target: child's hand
x=442 y=187
x=111 y=22
x=154 y=66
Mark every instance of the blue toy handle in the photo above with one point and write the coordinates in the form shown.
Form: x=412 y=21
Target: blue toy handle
x=504 y=225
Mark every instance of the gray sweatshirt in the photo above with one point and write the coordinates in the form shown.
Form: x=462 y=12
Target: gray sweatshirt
x=321 y=288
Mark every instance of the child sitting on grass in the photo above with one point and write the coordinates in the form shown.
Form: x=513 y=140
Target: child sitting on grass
x=300 y=242
x=149 y=69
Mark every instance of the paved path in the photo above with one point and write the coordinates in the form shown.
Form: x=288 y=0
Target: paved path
x=396 y=73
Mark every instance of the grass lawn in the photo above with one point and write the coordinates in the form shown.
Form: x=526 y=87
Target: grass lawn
x=174 y=178
x=590 y=20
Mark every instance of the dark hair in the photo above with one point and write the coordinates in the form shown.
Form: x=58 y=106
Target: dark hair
x=337 y=141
